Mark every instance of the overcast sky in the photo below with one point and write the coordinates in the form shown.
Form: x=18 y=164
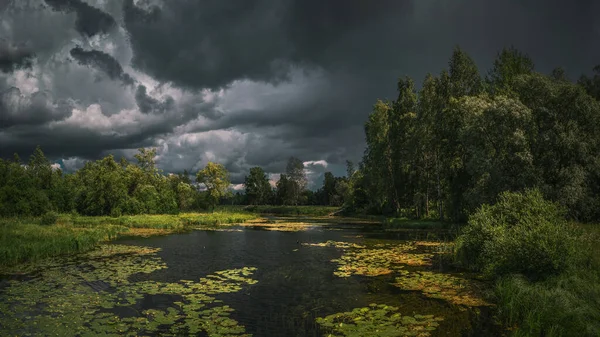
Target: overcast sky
x=247 y=82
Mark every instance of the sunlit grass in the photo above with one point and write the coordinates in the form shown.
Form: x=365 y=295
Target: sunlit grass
x=21 y=242
x=25 y=240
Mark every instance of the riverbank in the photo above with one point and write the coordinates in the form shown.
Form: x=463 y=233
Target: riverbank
x=25 y=240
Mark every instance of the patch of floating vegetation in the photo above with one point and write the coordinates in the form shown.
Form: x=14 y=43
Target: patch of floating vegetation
x=83 y=297
x=454 y=289
x=336 y=244
x=279 y=226
x=381 y=259
x=376 y=259
x=222 y=229
x=378 y=320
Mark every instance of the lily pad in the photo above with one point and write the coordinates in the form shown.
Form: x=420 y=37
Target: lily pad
x=81 y=297
x=378 y=320
x=451 y=288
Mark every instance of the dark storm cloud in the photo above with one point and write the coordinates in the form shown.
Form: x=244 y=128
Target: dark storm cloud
x=103 y=62
x=211 y=43
x=37 y=109
x=90 y=20
x=148 y=104
x=14 y=57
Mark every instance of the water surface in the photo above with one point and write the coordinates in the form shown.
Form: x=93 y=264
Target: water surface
x=294 y=284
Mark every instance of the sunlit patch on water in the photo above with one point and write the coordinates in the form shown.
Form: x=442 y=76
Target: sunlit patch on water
x=88 y=296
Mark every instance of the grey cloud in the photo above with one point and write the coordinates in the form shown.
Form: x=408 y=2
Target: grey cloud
x=36 y=109
x=14 y=57
x=148 y=104
x=102 y=61
x=90 y=20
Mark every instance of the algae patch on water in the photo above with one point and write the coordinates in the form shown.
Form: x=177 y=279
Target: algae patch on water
x=378 y=260
x=384 y=259
x=87 y=296
x=378 y=320
x=451 y=288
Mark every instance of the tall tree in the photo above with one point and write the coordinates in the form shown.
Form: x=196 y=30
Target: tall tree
x=328 y=188
x=295 y=172
x=464 y=75
x=216 y=180
x=257 y=186
x=509 y=64
x=286 y=189
x=592 y=84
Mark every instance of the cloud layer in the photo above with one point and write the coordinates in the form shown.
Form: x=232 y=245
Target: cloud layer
x=246 y=83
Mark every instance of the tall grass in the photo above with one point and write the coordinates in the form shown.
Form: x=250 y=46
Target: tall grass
x=25 y=240
x=567 y=304
x=31 y=242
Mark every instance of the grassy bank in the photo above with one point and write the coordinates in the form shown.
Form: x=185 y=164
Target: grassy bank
x=26 y=240
x=567 y=304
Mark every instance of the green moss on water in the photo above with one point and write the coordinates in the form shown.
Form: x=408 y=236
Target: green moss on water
x=378 y=320
x=71 y=297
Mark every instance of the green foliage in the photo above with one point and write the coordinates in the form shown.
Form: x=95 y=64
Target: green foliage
x=566 y=305
x=49 y=218
x=258 y=189
x=292 y=184
x=379 y=320
x=592 y=84
x=216 y=180
x=26 y=242
x=522 y=233
x=509 y=64
x=456 y=146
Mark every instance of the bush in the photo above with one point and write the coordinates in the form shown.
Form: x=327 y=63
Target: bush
x=521 y=234
x=49 y=218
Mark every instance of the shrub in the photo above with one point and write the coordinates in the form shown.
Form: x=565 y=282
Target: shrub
x=521 y=234
x=48 y=218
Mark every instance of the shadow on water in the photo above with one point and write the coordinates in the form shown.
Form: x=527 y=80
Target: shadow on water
x=296 y=283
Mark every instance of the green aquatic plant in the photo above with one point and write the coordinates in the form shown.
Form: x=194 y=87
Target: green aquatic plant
x=336 y=244
x=378 y=320
x=454 y=289
x=84 y=295
x=374 y=260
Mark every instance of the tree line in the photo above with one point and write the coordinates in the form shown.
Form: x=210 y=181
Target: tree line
x=110 y=187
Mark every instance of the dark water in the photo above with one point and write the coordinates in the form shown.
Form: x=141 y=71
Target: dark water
x=295 y=287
